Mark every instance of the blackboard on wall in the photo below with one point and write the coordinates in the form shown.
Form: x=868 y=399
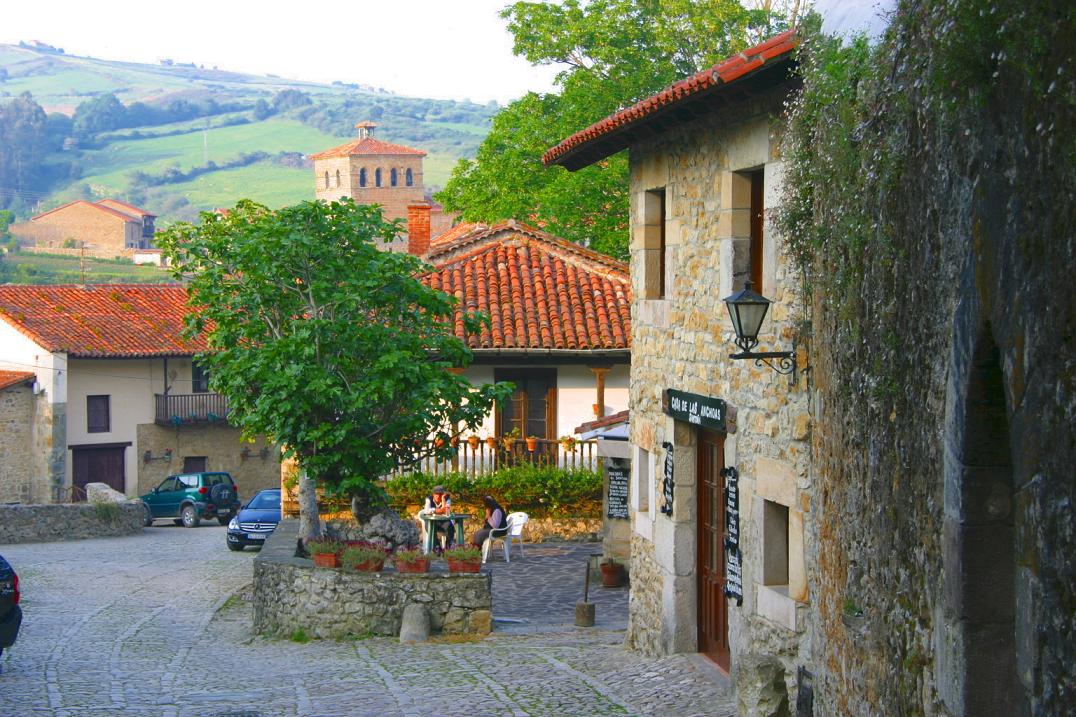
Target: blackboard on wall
x=616 y=505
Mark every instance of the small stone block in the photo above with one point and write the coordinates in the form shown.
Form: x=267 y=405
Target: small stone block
x=415 y=626
x=584 y=614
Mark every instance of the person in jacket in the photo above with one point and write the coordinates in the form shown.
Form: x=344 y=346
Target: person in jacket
x=496 y=524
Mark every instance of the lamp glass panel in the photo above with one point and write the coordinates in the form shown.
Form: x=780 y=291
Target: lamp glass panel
x=751 y=316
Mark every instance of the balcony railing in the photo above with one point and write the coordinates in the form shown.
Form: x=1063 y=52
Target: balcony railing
x=482 y=457
x=192 y=409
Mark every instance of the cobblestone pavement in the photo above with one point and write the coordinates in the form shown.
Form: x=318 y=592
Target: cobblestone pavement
x=158 y=625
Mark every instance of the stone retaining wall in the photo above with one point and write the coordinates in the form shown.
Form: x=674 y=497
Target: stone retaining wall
x=68 y=521
x=290 y=594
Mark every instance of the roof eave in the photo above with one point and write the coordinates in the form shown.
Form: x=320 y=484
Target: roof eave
x=683 y=111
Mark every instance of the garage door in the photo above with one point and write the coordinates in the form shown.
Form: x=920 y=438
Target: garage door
x=98 y=464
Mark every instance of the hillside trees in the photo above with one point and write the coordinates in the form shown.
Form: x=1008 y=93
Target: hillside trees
x=29 y=143
x=614 y=52
x=326 y=343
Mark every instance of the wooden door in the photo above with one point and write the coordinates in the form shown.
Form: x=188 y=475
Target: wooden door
x=194 y=464
x=98 y=465
x=713 y=631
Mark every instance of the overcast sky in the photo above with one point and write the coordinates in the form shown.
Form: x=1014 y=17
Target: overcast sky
x=423 y=48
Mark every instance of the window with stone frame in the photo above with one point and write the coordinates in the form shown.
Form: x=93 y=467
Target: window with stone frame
x=654 y=264
x=338 y=177
x=392 y=177
x=326 y=179
x=748 y=228
x=642 y=481
x=774 y=544
x=377 y=177
x=362 y=177
x=409 y=178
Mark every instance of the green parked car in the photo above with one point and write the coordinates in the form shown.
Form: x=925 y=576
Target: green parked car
x=193 y=497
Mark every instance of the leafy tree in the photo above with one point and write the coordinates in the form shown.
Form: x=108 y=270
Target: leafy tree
x=262 y=110
x=614 y=52
x=102 y=113
x=23 y=148
x=289 y=99
x=326 y=343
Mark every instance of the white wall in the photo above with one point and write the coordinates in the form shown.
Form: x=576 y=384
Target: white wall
x=576 y=394
x=131 y=384
x=20 y=353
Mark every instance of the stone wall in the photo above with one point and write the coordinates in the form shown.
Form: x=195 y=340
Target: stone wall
x=682 y=341
x=103 y=232
x=220 y=444
x=16 y=444
x=290 y=594
x=70 y=521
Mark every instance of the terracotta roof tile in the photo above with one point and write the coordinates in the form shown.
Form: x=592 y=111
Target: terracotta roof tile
x=540 y=291
x=100 y=207
x=14 y=378
x=723 y=73
x=367 y=145
x=124 y=207
x=101 y=320
x=611 y=420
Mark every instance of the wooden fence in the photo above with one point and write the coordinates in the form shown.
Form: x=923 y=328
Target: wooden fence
x=482 y=457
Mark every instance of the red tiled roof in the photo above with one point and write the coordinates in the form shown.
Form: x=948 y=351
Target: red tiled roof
x=611 y=420
x=124 y=207
x=101 y=320
x=99 y=207
x=541 y=292
x=725 y=72
x=367 y=145
x=14 y=378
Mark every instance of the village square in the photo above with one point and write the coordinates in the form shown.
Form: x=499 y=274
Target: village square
x=731 y=372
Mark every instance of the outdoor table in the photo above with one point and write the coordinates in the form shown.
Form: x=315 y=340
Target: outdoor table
x=427 y=520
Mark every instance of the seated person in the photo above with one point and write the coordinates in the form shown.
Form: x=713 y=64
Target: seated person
x=496 y=524
x=439 y=503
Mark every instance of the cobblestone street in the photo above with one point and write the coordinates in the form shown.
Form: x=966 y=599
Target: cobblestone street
x=159 y=625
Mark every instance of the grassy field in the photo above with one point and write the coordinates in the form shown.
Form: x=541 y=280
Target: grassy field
x=264 y=182
x=26 y=268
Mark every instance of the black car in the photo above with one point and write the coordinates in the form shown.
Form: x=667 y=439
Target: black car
x=256 y=520
x=10 y=612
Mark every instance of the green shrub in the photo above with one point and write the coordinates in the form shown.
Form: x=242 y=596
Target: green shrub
x=324 y=546
x=542 y=490
x=107 y=512
x=463 y=553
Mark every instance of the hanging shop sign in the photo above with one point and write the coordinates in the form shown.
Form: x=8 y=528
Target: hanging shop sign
x=733 y=556
x=667 y=480
x=705 y=411
x=616 y=503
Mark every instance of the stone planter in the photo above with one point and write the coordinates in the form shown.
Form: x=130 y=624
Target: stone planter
x=612 y=575
x=422 y=565
x=464 y=566
x=326 y=560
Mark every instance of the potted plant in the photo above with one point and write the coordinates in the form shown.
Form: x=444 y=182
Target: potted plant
x=532 y=443
x=325 y=551
x=491 y=441
x=568 y=443
x=472 y=441
x=508 y=440
x=366 y=557
x=411 y=560
x=464 y=559
x=613 y=575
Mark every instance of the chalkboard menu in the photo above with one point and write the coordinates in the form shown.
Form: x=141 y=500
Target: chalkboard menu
x=667 y=484
x=616 y=504
x=733 y=556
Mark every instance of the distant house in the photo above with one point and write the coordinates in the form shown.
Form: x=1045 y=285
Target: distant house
x=116 y=397
x=105 y=228
x=560 y=324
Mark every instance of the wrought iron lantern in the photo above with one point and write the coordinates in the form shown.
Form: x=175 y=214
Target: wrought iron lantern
x=747 y=309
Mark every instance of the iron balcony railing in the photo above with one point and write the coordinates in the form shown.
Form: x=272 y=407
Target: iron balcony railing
x=190 y=409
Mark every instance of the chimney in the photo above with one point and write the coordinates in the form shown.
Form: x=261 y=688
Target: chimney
x=418 y=229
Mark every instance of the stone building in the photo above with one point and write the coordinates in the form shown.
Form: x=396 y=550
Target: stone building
x=107 y=228
x=21 y=469
x=705 y=170
x=372 y=171
x=114 y=396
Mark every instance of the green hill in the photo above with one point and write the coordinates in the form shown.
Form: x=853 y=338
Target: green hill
x=194 y=138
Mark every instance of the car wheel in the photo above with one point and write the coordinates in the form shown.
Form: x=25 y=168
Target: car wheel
x=235 y=546
x=147 y=516
x=224 y=519
x=189 y=516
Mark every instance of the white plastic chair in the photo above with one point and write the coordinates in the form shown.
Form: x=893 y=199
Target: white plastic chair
x=514 y=533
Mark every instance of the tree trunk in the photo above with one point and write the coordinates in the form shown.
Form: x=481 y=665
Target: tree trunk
x=309 y=522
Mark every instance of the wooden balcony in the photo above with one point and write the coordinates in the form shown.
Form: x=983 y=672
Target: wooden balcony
x=192 y=409
x=477 y=457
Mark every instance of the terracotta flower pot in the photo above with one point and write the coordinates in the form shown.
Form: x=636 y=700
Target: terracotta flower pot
x=532 y=444
x=491 y=442
x=472 y=441
x=464 y=566
x=612 y=575
x=422 y=565
x=327 y=560
x=369 y=566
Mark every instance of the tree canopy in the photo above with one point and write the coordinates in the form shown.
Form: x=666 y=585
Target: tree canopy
x=323 y=342
x=614 y=52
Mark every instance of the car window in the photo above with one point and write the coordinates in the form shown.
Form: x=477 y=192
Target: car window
x=189 y=482
x=212 y=479
x=265 y=501
x=169 y=483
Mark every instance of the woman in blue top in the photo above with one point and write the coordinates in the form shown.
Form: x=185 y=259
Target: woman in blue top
x=496 y=524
